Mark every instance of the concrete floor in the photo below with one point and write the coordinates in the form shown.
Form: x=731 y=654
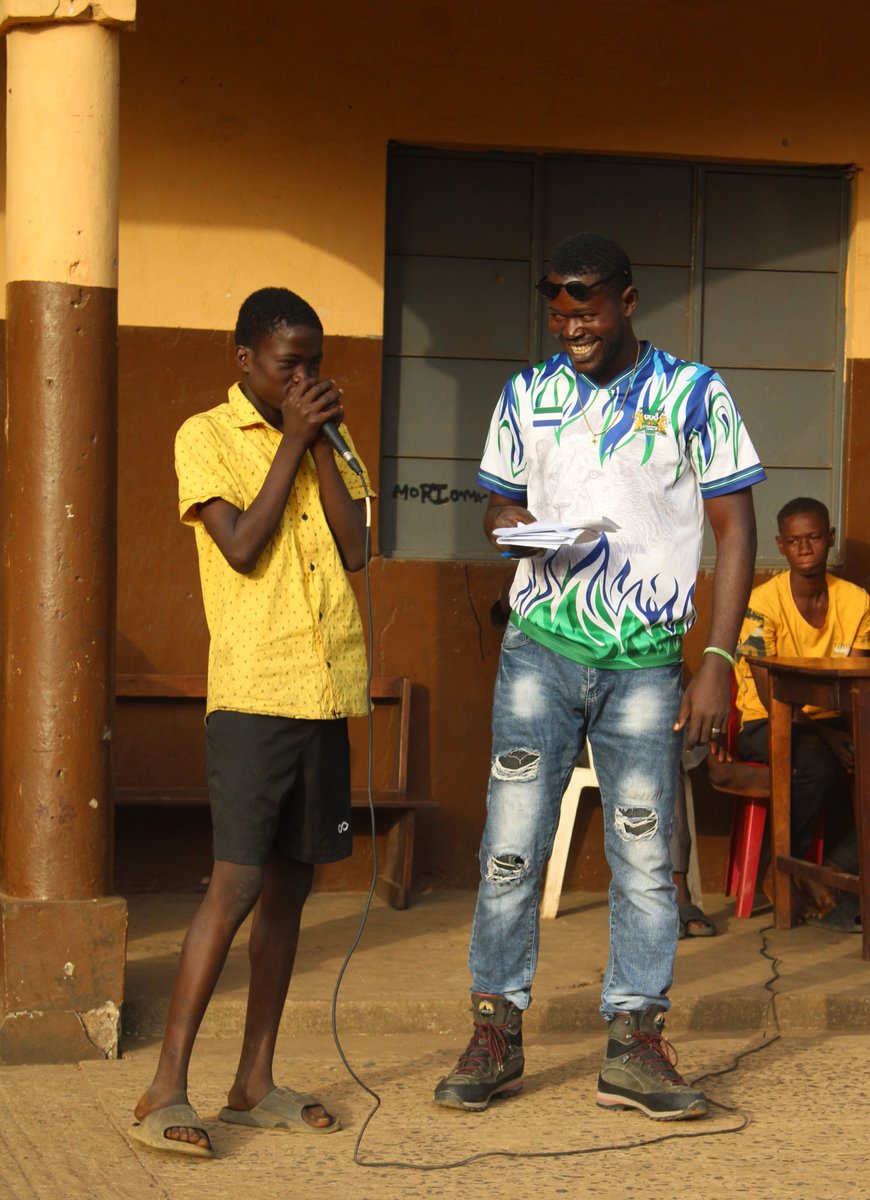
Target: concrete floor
x=403 y=1018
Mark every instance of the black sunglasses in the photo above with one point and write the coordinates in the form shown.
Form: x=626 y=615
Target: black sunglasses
x=575 y=289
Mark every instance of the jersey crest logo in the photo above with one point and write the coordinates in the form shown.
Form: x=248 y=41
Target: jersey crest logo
x=650 y=423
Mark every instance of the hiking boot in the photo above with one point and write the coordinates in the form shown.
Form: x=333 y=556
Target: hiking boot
x=639 y=1070
x=492 y=1064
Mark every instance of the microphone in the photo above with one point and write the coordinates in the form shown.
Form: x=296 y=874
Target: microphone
x=340 y=446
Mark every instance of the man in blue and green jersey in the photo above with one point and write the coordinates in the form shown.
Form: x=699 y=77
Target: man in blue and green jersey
x=609 y=427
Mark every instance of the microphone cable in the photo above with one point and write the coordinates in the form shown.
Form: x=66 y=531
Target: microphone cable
x=374 y=843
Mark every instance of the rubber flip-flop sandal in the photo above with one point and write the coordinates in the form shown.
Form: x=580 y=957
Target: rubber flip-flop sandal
x=279 y=1109
x=844 y=917
x=690 y=913
x=151 y=1131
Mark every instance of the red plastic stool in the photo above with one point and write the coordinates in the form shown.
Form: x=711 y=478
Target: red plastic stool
x=747 y=832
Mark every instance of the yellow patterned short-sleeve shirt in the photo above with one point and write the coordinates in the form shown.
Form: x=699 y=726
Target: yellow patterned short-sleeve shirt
x=286 y=639
x=774 y=627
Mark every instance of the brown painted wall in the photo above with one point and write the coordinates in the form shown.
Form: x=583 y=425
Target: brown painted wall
x=430 y=618
x=431 y=622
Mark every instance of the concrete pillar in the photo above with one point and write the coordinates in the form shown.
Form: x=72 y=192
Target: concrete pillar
x=62 y=935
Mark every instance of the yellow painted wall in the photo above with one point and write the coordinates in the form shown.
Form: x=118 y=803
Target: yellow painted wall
x=253 y=138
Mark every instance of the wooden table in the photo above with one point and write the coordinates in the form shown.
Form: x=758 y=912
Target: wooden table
x=843 y=685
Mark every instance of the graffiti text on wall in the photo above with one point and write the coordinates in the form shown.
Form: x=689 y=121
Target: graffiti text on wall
x=438 y=493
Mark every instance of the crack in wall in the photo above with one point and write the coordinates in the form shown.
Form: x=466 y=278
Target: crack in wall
x=473 y=610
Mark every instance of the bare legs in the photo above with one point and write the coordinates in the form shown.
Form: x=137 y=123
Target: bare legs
x=681 y=883
x=695 y=926
x=281 y=887
x=272 y=952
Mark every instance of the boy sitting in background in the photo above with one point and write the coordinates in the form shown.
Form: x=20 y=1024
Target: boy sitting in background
x=805 y=612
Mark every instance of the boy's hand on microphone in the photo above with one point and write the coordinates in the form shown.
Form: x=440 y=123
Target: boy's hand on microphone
x=308 y=405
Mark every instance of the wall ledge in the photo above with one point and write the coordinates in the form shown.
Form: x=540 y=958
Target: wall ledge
x=48 y=12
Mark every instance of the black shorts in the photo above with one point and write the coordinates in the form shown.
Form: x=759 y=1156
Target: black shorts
x=278 y=785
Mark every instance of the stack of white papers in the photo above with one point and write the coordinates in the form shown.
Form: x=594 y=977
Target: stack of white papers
x=550 y=535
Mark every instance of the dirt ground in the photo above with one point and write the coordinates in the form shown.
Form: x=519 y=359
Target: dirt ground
x=403 y=1016
x=62 y=1130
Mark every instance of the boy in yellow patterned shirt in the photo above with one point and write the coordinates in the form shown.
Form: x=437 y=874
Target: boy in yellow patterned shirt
x=277 y=522
x=807 y=613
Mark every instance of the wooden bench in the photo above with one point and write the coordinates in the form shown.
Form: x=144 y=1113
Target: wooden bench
x=399 y=806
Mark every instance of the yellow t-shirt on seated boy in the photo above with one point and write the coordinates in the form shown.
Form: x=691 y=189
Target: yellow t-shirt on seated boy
x=774 y=627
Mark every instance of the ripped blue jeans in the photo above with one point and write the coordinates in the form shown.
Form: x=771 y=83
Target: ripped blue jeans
x=544 y=708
